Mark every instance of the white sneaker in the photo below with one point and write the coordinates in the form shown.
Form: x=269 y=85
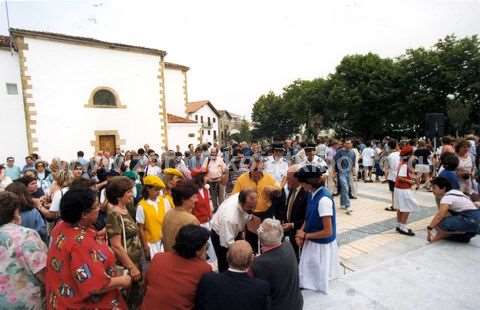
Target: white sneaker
x=348 y=211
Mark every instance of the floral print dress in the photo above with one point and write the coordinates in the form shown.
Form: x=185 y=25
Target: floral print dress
x=22 y=255
x=134 y=248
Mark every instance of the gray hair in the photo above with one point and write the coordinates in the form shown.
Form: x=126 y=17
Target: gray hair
x=270 y=232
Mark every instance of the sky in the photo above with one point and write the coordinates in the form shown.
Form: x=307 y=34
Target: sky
x=239 y=50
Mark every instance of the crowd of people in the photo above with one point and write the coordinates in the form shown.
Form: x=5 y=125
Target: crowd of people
x=243 y=226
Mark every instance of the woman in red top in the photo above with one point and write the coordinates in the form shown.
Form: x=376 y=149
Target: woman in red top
x=81 y=269
x=172 y=277
x=203 y=207
x=403 y=195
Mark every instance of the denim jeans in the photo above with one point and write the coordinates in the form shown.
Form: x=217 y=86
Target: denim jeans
x=463 y=222
x=344 y=179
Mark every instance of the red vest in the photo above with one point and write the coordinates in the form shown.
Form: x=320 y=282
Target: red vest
x=403 y=184
x=202 y=209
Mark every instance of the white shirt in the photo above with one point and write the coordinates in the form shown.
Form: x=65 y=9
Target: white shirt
x=229 y=220
x=367 y=157
x=457 y=201
x=140 y=214
x=393 y=160
x=5 y=182
x=325 y=205
x=57 y=197
x=277 y=168
x=321 y=150
x=153 y=170
x=316 y=161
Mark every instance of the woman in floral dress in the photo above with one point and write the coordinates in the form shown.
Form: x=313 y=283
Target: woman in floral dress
x=23 y=257
x=122 y=231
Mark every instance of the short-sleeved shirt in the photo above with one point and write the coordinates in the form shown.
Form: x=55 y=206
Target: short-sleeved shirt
x=22 y=255
x=367 y=157
x=56 y=198
x=215 y=168
x=78 y=267
x=263 y=201
x=452 y=178
x=115 y=227
x=393 y=160
x=457 y=201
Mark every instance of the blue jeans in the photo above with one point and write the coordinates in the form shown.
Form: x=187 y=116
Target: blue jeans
x=344 y=180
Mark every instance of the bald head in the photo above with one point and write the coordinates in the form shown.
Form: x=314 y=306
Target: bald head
x=240 y=255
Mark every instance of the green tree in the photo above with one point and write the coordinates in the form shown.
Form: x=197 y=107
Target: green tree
x=271 y=118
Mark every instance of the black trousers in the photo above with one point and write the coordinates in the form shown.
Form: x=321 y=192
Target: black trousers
x=220 y=251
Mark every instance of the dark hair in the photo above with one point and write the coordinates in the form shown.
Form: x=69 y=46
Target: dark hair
x=75 y=203
x=19 y=189
x=117 y=187
x=183 y=191
x=447 y=140
x=242 y=196
x=80 y=182
x=392 y=144
x=461 y=143
x=76 y=165
x=199 y=179
x=27 y=179
x=2 y=167
x=442 y=183
x=140 y=151
x=145 y=191
x=190 y=238
x=28 y=157
x=80 y=154
x=38 y=163
x=9 y=203
x=449 y=161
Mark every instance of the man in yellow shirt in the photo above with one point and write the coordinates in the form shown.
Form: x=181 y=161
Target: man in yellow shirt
x=263 y=183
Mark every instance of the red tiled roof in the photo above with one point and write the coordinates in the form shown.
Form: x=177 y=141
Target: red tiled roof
x=178 y=119
x=193 y=107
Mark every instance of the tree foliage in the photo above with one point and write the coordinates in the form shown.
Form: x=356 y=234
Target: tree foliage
x=371 y=96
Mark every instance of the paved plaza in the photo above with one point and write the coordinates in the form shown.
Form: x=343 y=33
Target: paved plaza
x=382 y=269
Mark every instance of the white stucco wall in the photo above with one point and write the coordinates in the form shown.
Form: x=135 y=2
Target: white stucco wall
x=206 y=112
x=178 y=134
x=174 y=92
x=63 y=77
x=13 y=137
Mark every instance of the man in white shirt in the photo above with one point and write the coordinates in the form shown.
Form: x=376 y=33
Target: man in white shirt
x=277 y=166
x=217 y=175
x=231 y=218
x=368 y=155
x=311 y=158
x=393 y=160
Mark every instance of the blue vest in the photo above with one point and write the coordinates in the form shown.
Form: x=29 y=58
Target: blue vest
x=313 y=221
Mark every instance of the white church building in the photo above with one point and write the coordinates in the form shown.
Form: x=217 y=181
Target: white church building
x=60 y=94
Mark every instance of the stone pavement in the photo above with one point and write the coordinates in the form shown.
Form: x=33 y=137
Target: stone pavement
x=385 y=270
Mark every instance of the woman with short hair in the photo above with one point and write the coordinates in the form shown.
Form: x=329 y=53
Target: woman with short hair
x=172 y=277
x=184 y=198
x=30 y=216
x=122 y=231
x=81 y=273
x=23 y=258
x=466 y=166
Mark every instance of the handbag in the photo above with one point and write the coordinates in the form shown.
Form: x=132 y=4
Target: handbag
x=121 y=269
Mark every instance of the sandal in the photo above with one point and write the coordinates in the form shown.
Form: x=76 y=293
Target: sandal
x=391 y=208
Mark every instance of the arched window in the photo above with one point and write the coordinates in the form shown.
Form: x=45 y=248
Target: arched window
x=104 y=97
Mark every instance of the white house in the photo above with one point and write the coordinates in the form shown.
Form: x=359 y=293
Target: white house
x=60 y=94
x=182 y=132
x=13 y=140
x=204 y=113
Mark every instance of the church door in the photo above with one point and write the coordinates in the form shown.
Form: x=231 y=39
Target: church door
x=107 y=143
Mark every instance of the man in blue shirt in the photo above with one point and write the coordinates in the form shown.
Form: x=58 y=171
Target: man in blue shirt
x=12 y=171
x=344 y=164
